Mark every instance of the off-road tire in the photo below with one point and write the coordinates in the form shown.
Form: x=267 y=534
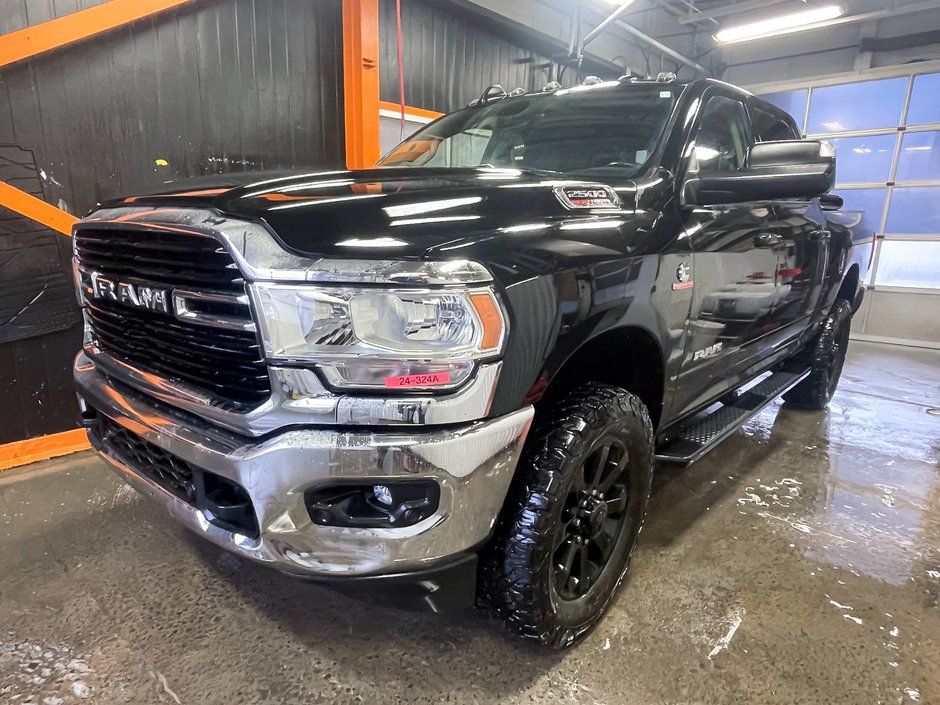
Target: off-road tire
x=826 y=357
x=518 y=572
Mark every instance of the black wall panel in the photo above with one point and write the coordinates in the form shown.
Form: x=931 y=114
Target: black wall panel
x=222 y=84
x=219 y=85
x=19 y=14
x=451 y=54
x=36 y=296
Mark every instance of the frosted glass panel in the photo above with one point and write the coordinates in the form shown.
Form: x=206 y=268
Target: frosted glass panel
x=925 y=100
x=857 y=106
x=864 y=159
x=871 y=201
x=909 y=264
x=920 y=156
x=914 y=211
x=794 y=102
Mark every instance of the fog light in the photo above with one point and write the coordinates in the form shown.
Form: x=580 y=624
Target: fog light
x=368 y=505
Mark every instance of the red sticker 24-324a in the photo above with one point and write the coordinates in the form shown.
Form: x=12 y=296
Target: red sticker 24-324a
x=418 y=380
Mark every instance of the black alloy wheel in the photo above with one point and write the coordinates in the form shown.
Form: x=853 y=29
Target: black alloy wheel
x=825 y=357
x=563 y=542
x=594 y=516
x=835 y=357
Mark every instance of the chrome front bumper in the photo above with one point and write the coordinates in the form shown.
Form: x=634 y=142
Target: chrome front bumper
x=472 y=463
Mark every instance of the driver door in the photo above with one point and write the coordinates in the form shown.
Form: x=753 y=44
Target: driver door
x=737 y=250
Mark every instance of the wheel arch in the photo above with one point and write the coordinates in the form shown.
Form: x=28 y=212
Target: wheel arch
x=629 y=357
x=850 y=289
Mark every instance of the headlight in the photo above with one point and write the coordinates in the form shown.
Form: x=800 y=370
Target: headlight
x=376 y=338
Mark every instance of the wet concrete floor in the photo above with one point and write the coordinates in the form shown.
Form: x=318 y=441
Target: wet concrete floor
x=798 y=563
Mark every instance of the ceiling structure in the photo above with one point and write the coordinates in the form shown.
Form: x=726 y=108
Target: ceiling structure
x=651 y=35
x=847 y=43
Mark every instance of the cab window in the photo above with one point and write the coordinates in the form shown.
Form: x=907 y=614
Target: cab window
x=770 y=127
x=463 y=149
x=723 y=136
x=607 y=131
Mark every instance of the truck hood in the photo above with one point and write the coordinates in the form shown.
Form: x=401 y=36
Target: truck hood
x=390 y=212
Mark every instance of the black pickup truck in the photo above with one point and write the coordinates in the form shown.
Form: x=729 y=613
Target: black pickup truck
x=455 y=372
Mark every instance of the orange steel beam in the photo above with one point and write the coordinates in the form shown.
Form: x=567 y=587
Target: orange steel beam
x=410 y=110
x=361 y=82
x=36 y=209
x=42 y=448
x=74 y=27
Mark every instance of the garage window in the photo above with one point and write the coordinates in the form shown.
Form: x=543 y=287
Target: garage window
x=914 y=211
x=920 y=157
x=857 y=106
x=925 y=108
x=909 y=264
x=862 y=160
x=886 y=133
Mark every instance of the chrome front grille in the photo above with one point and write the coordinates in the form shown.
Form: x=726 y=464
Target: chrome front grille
x=162 y=257
x=206 y=338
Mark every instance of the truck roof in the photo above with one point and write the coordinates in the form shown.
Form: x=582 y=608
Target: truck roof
x=697 y=86
x=496 y=92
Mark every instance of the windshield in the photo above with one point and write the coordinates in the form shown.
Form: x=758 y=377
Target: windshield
x=598 y=132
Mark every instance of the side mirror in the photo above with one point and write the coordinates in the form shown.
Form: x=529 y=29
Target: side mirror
x=772 y=170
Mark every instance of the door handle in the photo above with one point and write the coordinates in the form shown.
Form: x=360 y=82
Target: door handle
x=819 y=235
x=767 y=240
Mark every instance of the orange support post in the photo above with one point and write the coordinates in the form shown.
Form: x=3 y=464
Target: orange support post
x=46 y=36
x=361 y=82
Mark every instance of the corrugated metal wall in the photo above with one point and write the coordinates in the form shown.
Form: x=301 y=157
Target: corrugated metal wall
x=218 y=86
x=19 y=14
x=39 y=331
x=450 y=56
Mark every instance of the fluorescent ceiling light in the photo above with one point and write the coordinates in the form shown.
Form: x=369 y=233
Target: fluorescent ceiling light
x=782 y=24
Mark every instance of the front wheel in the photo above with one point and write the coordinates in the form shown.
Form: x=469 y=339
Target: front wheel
x=571 y=522
x=826 y=358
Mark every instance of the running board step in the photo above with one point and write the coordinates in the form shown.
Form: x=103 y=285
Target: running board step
x=704 y=433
